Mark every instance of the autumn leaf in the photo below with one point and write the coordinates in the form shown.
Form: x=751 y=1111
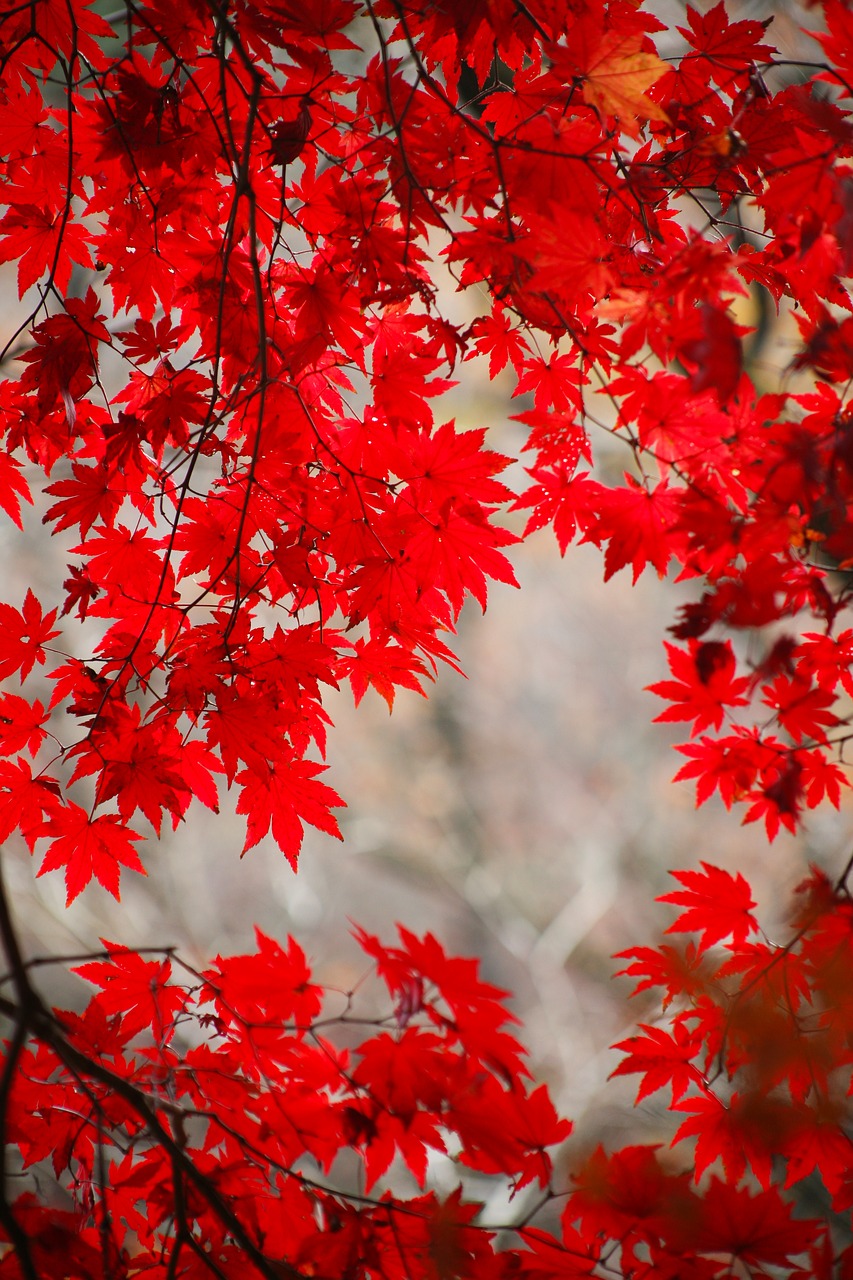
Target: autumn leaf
x=560 y=498
x=13 y=488
x=717 y=904
x=705 y=684
x=21 y=724
x=23 y=636
x=384 y=668
x=675 y=970
x=636 y=523
x=713 y=353
x=616 y=77
x=757 y=1226
x=283 y=797
x=85 y=497
x=89 y=847
x=27 y=800
x=662 y=1058
x=495 y=336
x=40 y=240
x=139 y=990
x=803 y=710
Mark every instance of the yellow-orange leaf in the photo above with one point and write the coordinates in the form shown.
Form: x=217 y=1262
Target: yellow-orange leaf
x=617 y=77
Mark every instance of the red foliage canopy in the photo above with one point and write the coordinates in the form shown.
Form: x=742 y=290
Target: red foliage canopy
x=229 y=222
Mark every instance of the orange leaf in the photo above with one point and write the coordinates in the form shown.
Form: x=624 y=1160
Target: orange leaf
x=617 y=77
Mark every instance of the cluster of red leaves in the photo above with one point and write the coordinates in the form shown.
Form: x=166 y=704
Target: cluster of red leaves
x=229 y=223
x=200 y=1120
x=229 y=1123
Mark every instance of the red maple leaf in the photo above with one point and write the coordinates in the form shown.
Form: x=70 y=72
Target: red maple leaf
x=23 y=636
x=569 y=502
x=383 y=667
x=662 y=1058
x=40 y=239
x=26 y=800
x=756 y=1226
x=283 y=796
x=637 y=524
x=88 y=495
x=802 y=709
x=13 y=487
x=676 y=970
x=736 y=1134
x=140 y=765
x=716 y=904
x=705 y=684
x=713 y=353
x=270 y=986
x=138 y=990
x=495 y=336
x=89 y=847
x=727 y=49
x=21 y=725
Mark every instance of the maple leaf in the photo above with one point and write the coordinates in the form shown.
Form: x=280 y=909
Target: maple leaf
x=801 y=709
x=715 y=354
x=569 y=502
x=636 y=523
x=137 y=990
x=383 y=667
x=409 y=1076
x=738 y=1134
x=778 y=799
x=88 y=495
x=62 y=364
x=80 y=592
x=730 y=765
x=756 y=1226
x=570 y=256
x=26 y=800
x=167 y=401
x=818 y=1146
x=494 y=336
x=726 y=47
x=269 y=986
x=94 y=1033
x=662 y=1058
x=89 y=847
x=288 y=137
x=40 y=240
x=616 y=76
x=452 y=466
x=705 y=684
x=528 y=1125
x=458 y=554
x=555 y=383
x=13 y=487
x=820 y=779
x=21 y=724
x=572 y=1256
x=23 y=636
x=678 y=971
x=625 y=1192
x=283 y=796
x=717 y=904
x=140 y=765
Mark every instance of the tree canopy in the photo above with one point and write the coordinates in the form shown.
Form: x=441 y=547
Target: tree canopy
x=233 y=224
